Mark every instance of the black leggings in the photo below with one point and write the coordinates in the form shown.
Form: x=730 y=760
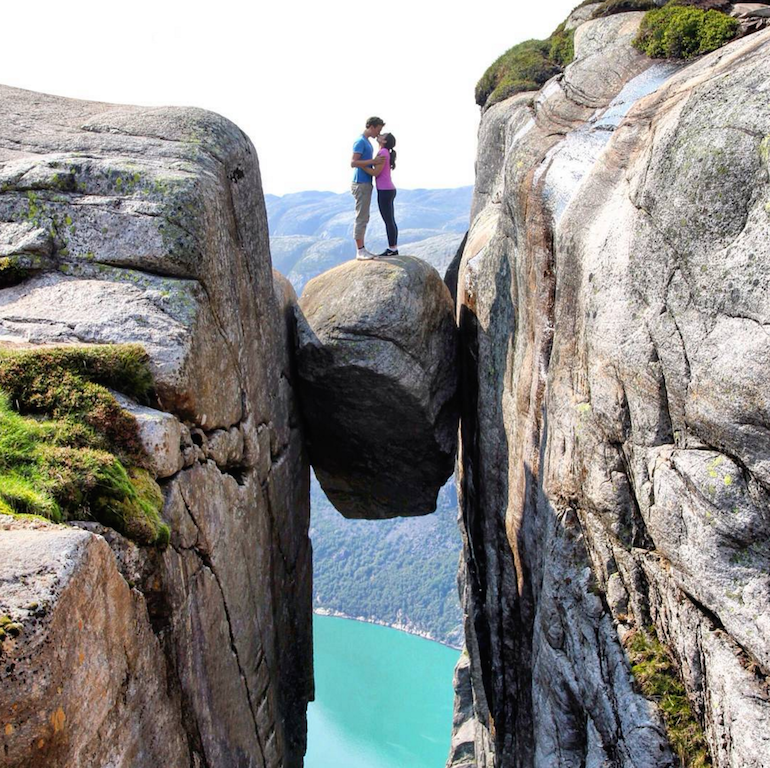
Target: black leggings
x=385 y=200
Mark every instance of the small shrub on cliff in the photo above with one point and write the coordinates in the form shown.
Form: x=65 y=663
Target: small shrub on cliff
x=562 y=48
x=525 y=67
x=78 y=457
x=657 y=676
x=681 y=32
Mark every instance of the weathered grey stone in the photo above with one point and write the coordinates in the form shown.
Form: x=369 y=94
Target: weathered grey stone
x=171 y=319
x=580 y=15
x=161 y=436
x=462 y=751
x=749 y=10
x=158 y=235
x=608 y=36
x=377 y=365
x=18 y=238
x=221 y=618
x=90 y=671
x=613 y=461
x=225 y=447
x=136 y=564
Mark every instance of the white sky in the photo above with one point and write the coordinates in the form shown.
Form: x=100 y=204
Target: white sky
x=300 y=78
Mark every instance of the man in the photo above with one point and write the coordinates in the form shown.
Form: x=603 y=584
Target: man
x=362 y=182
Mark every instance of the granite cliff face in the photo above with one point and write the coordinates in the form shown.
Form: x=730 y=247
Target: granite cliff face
x=612 y=301
x=148 y=225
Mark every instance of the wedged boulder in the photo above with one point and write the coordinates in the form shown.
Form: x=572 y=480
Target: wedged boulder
x=377 y=352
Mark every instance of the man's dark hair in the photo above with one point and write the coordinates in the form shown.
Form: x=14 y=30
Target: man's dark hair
x=373 y=122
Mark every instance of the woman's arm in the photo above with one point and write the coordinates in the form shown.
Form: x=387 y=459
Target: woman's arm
x=379 y=164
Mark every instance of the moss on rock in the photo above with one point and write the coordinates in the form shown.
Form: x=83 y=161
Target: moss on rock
x=69 y=385
x=67 y=449
x=657 y=676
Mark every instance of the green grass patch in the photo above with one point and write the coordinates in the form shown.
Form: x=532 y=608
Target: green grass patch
x=67 y=449
x=525 y=67
x=69 y=385
x=679 y=31
x=658 y=678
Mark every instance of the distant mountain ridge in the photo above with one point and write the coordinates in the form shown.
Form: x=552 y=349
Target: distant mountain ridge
x=311 y=232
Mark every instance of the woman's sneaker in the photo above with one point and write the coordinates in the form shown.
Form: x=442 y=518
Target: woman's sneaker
x=389 y=252
x=363 y=255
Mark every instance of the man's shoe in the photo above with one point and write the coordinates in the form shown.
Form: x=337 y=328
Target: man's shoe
x=389 y=252
x=364 y=255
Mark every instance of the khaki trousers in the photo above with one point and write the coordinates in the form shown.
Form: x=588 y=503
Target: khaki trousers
x=362 y=192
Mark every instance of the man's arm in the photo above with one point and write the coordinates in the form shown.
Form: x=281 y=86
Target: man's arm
x=365 y=164
x=356 y=162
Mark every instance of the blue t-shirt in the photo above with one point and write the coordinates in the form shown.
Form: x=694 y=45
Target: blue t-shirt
x=363 y=146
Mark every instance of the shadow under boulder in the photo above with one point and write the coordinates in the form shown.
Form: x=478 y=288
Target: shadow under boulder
x=377 y=360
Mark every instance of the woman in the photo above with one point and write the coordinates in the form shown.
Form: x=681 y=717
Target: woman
x=384 y=163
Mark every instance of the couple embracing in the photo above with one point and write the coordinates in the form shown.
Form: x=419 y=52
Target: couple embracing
x=368 y=167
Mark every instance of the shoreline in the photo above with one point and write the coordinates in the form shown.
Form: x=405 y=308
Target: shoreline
x=400 y=627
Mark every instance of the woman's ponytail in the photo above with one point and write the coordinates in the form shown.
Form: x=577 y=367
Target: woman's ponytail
x=390 y=142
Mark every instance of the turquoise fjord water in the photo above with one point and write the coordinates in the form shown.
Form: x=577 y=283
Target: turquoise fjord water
x=383 y=698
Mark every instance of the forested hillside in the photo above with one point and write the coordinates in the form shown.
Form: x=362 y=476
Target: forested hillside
x=399 y=572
